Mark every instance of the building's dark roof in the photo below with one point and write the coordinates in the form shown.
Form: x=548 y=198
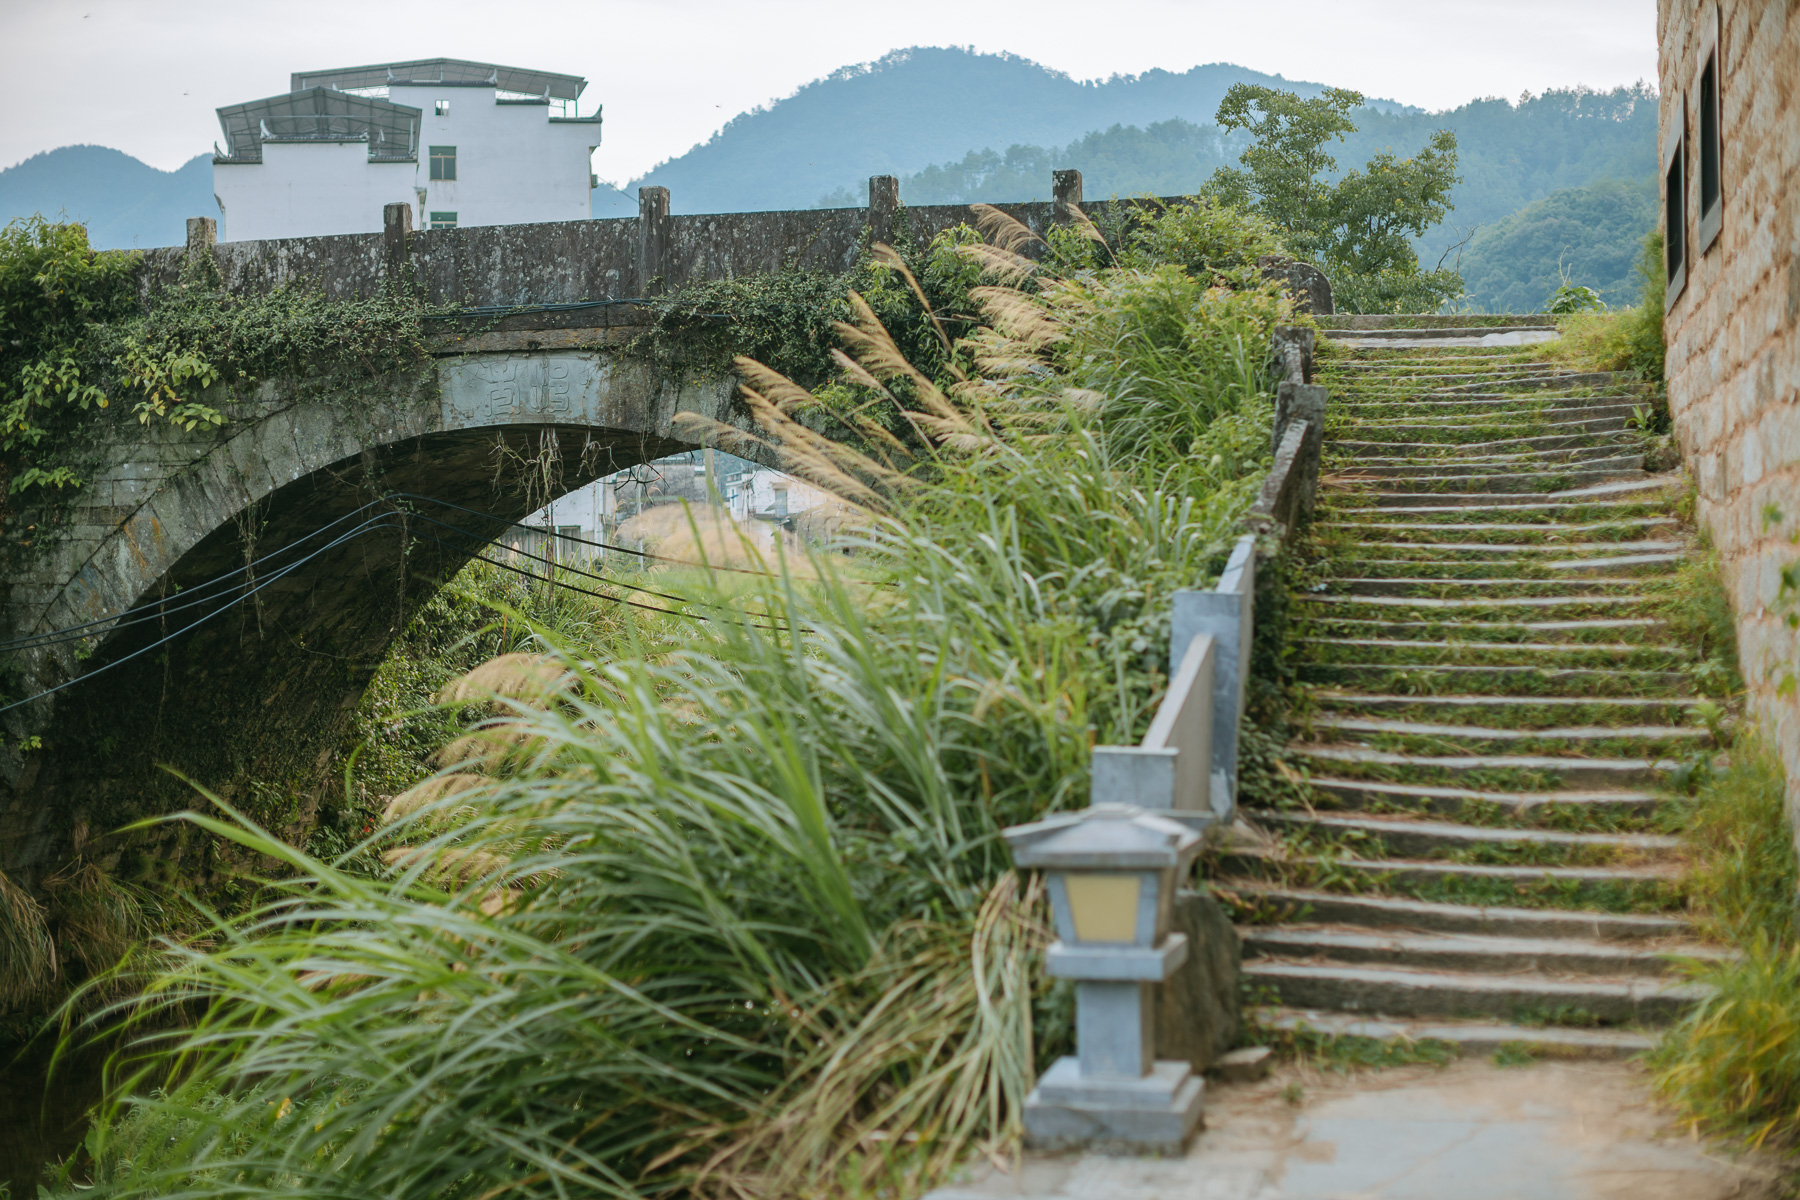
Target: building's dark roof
x=320 y=114
x=446 y=72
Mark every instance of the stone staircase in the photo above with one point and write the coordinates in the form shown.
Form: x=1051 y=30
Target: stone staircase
x=1481 y=848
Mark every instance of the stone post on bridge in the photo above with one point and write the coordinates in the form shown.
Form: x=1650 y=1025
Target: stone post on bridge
x=655 y=236
x=1065 y=189
x=884 y=203
x=202 y=237
x=396 y=243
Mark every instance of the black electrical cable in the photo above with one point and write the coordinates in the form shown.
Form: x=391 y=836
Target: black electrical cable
x=685 y=562
x=195 y=624
x=611 y=582
x=190 y=597
x=386 y=518
x=570 y=587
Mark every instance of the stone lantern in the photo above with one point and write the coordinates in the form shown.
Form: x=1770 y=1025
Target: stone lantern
x=1113 y=871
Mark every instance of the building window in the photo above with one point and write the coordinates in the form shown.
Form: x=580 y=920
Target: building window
x=1675 y=204
x=441 y=107
x=1709 y=216
x=443 y=220
x=443 y=163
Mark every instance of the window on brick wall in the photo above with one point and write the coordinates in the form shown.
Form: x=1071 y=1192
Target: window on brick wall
x=1708 y=151
x=1675 y=203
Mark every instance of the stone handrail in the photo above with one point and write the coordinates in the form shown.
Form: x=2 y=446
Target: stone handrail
x=1187 y=764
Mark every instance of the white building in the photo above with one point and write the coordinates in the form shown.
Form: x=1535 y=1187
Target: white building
x=463 y=143
x=746 y=491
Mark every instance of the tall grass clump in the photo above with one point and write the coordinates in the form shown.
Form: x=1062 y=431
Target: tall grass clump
x=712 y=901
x=1733 y=1064
x=1630 y=339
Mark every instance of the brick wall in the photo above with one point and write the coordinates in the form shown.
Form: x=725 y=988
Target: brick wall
x=1734 y=332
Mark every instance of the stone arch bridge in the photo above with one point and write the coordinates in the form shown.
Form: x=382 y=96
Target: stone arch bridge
x=302 y=483
x=263 y=690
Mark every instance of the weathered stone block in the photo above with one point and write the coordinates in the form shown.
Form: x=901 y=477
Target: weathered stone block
x=1198 y=1009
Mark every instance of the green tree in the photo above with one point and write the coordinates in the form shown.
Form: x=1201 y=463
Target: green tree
x=1358 y=228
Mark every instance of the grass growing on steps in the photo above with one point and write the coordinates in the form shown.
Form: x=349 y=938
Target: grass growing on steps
x=1733 y=1065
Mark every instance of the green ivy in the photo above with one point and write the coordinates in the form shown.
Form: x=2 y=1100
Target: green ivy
x=75 y=337
x=54 y=291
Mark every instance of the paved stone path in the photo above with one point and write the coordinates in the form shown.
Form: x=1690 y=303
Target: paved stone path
x=1491 y=705
x=1470 y=1131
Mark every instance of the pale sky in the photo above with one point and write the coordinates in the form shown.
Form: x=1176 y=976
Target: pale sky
x=144 y=76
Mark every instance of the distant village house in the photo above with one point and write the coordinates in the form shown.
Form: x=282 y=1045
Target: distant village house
x=461 y=143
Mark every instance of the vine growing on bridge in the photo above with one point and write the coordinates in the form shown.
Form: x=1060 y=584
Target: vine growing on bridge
x=80 y=345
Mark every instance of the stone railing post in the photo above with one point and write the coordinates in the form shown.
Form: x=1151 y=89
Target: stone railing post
x=200 y=265
x=654 y=236
x=1298 y=400
x=202 y=235
x=396 y=243
x=1065 y=189
x=884 y=202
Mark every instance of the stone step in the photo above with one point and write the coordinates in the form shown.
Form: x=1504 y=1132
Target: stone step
x=1572 y=631
x=1501 y=481
x=1541 y=656
x=1412 y=838
x=1571 y=771
x=1368 y=408
x=1548 y=441
x=1485 y=952
x=1613 y=491
x=1400 y=991
x=1396 y=912
x=1452 y=469
x=1469 y=1037
x=1448 y=590
x=1454 y=455
x=1528 y=678
x=1431 y=573
x=1380 y=598
x=1342 y=723
x=1452 y=800
x=1464 y=434
x=1478 y=321
x=1493 y=533
x=1507 y=507
x=1625 y=706
x=1618 y=562
x=1546 y=415
x=1498 y=549
x=1365 y=327
x=1403 y=368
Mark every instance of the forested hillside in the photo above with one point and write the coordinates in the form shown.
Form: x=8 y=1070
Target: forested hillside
x=1588 y=157
x=1594 y=233
x=910 y=109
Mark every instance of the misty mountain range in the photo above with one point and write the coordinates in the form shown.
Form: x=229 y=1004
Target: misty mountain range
x=958 y=126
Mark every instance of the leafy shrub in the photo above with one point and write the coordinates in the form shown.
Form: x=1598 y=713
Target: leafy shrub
x=1392 y=290
x=1573 y=298
x=1629 y=339
x=1210 y=241
x=1733 y=1064
x=74 y=338
x=54 y=291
